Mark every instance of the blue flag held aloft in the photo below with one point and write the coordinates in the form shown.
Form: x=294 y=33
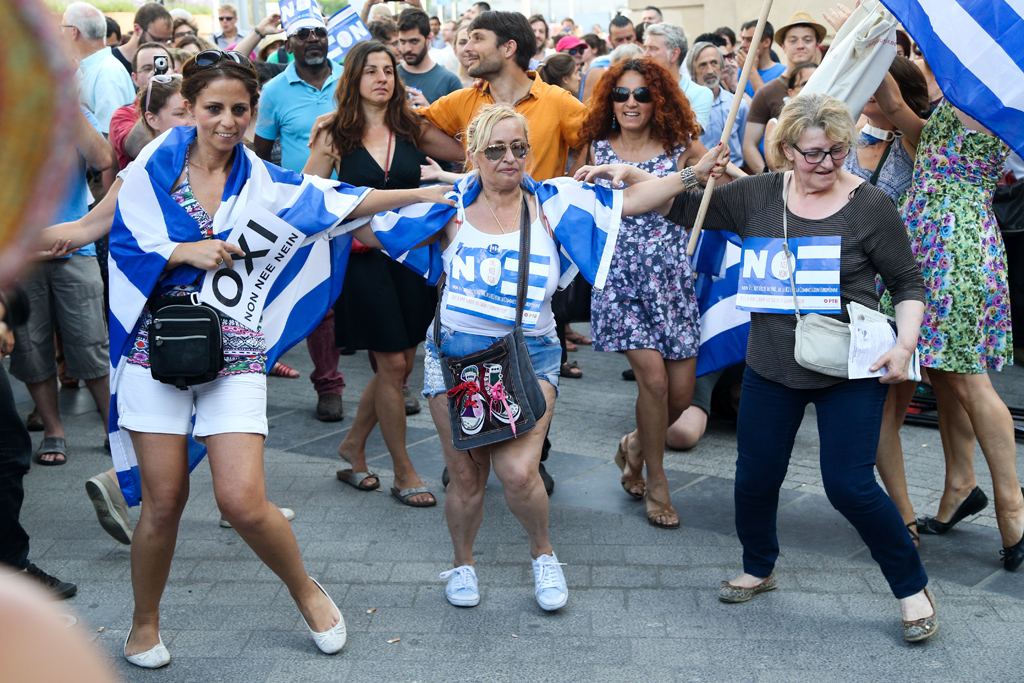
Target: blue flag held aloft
x=975 y=48
x=344 y=29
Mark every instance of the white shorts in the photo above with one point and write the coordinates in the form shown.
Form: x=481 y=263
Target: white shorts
x=229 y=404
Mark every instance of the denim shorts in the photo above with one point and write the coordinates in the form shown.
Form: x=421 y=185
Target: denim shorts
x=545 y=354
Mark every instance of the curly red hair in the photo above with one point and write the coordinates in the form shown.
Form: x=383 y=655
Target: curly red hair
x=673 y=121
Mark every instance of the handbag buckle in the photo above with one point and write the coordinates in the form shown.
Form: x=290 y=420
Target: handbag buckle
x=194 y=298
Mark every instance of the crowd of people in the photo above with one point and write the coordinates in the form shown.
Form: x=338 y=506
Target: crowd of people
x=434 y=155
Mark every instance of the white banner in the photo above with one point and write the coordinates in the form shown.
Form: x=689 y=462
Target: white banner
x=268 y=243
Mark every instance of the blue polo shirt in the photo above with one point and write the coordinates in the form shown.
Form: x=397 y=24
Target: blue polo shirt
x=288 y=109
x=766 y=75
x=75 y=199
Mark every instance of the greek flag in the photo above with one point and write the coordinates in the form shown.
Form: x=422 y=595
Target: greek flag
x=149 y=225
x=583 y=218
x=975 y=48
x=724 y=329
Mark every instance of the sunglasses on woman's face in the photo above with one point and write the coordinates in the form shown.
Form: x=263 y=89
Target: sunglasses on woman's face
x=641 y=95
x=211 y=57
x=497 y=152
x=303 y=33
x=575 y=52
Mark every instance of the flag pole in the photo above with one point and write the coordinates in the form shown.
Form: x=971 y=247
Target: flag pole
x=741 y=84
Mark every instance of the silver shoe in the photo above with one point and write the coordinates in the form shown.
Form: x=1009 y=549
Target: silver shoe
x=731 y=593
x=919 y=629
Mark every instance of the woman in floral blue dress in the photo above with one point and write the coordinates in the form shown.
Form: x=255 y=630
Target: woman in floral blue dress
x=966 y=329
x=648 y=307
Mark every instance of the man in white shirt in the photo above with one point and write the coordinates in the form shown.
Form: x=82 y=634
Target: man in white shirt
x=667 y=45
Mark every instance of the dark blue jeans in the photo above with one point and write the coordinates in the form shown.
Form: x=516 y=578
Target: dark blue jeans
x=849 y=420
x=15 y=457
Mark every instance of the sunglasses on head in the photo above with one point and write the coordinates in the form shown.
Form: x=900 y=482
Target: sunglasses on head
x=303 y=33
x=641 y=95
x=497 y=152
x=211 y=57
x=159 y=78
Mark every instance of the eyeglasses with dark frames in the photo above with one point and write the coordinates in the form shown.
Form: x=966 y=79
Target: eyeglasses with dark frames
x=641 y=95
x=816 y=156
x=497 y=152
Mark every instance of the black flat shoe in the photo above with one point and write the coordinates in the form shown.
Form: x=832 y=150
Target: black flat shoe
x=972 y=505
x=1013 y=556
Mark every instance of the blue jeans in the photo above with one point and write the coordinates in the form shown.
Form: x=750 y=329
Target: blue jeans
x=849 y=421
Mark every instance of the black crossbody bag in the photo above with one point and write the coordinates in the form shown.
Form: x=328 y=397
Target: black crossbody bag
x=186 y=346
x=494 y=394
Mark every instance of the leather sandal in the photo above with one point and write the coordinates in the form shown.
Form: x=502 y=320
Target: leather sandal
x=731 y=594
x=975 y=502
x=660 y=510
x=917 y=630
x=629 y=483
x=913 y=534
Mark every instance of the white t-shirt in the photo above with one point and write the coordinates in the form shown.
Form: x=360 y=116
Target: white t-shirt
x=482 y=271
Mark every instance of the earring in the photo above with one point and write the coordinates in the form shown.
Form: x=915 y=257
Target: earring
x=615 y=124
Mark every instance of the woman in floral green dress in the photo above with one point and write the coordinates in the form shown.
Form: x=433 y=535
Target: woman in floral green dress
x=966 y=328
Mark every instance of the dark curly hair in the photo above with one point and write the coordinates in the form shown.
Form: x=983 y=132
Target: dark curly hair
x=673 y=121
x=350 y=124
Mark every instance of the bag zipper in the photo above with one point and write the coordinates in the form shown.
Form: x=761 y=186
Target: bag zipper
x=191 y=336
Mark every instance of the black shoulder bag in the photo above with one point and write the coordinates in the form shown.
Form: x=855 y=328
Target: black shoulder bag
x=494 y=394
x=186 y=346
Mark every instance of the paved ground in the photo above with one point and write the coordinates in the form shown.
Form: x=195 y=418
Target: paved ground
x=642 y=603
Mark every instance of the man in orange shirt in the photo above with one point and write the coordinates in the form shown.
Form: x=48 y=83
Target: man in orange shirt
x=500 y=47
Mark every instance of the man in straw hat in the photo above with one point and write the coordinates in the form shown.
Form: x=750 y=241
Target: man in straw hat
x=799 y=39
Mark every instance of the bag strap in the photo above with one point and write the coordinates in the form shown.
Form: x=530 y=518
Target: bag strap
x=881 y=162
x=790 y=261
x=524 y=262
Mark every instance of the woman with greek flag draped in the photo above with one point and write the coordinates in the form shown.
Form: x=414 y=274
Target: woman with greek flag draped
x=179 y=201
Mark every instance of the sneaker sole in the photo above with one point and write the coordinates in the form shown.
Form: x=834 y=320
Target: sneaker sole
x=109 y=521
x=552 y=608
x=463 y=603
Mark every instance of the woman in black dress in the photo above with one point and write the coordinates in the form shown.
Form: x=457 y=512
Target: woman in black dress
x=384 y=307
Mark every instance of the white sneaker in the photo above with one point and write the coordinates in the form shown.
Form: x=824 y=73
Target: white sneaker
x=462 y=589
x=111 y=508
x=288 y=513
x=549 y=582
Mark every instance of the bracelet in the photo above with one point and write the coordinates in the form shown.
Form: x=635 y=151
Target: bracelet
x=257 y=32
x=689 y=178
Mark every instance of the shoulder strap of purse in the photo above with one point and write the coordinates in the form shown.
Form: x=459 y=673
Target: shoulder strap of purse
x=790 y=261
x=524 y=262
x=881 y=162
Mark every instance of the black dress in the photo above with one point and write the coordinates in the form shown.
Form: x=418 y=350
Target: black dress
x=383 y=306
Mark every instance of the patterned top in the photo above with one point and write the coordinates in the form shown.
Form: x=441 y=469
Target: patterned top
x=244 y=350
x=895 y=176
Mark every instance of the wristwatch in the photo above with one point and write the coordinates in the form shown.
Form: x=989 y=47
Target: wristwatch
x=689 y=178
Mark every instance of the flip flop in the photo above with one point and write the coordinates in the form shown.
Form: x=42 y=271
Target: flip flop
x=279 y=369
x=405 y=494
x=51 y=444
x=356 y=479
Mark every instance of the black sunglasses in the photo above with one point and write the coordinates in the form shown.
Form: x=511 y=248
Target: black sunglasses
x=211 y=57
x=575 y=52
x=641 y=95
x=497 y=152
x=303 y=33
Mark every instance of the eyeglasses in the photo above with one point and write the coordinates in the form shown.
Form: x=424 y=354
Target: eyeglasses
x=181 y=34
x=816 y=156
x=303 y=33
x=731 y=56
x=211 y=57
x=575 y=52
x=641 y=95
x=227 y=18
x=159 y=78
x=157 y=39
x=497 y=152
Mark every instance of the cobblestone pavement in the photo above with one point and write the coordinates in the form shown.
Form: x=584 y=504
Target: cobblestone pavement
x=642 y=603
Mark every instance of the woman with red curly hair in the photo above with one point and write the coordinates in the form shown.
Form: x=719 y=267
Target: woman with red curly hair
x=648 y=307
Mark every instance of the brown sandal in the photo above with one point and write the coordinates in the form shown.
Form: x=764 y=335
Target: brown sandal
x=660 y=510
x=629 y=483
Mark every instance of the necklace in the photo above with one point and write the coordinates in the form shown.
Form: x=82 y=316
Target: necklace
x=500 y=227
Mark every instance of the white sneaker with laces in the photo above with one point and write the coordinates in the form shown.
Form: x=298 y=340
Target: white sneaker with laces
x=462 y=589
x=549 y=582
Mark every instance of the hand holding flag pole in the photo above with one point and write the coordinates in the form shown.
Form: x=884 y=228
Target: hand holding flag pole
x=755 y=42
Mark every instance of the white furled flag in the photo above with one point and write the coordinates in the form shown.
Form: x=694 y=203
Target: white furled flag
x=975 y=48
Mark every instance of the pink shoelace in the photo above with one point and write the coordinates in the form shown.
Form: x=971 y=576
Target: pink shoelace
x=498 y=396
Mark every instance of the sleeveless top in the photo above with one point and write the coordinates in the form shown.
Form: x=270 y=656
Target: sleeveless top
x=896 y=174
x=482 y=271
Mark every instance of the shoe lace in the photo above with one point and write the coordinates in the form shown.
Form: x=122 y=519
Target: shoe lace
x=548 y=575
x=499 y=398
x=470 y=390
x=462 y=575
x=34 y=571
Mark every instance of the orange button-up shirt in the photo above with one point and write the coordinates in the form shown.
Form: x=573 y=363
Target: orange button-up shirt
x=555 y=117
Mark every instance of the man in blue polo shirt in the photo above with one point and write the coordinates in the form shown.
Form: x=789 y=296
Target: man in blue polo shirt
x=289 y=105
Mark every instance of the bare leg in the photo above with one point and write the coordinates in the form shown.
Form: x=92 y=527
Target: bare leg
x=390 y=408
x=957 y=447
x=163 y=470
x=993 y=425
x=684 y=433
x=353 y=447
x=515 y=463
x=889 y=458
x=236 y=461
x=464 y=497
x=100 y=390
x=45 y=396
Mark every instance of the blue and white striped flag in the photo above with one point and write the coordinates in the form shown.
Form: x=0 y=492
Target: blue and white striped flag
x=584 y=219
x=724 y=329
x=149 y=225
x=975 y=48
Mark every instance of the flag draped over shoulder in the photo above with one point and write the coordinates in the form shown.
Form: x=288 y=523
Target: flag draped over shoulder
x=584 y=219
x=724 y=329
x=149 y=225
x=975 y=48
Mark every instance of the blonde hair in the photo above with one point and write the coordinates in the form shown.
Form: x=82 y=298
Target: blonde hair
x=625 y=51
x=478 y=135
x=810 y=110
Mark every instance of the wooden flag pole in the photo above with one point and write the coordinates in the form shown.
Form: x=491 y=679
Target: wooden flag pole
x=741 y=85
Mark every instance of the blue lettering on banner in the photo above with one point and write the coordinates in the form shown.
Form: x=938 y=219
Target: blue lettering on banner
x=344 y=29
x=296 y=10
x=764 y=285
x=482 y=283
